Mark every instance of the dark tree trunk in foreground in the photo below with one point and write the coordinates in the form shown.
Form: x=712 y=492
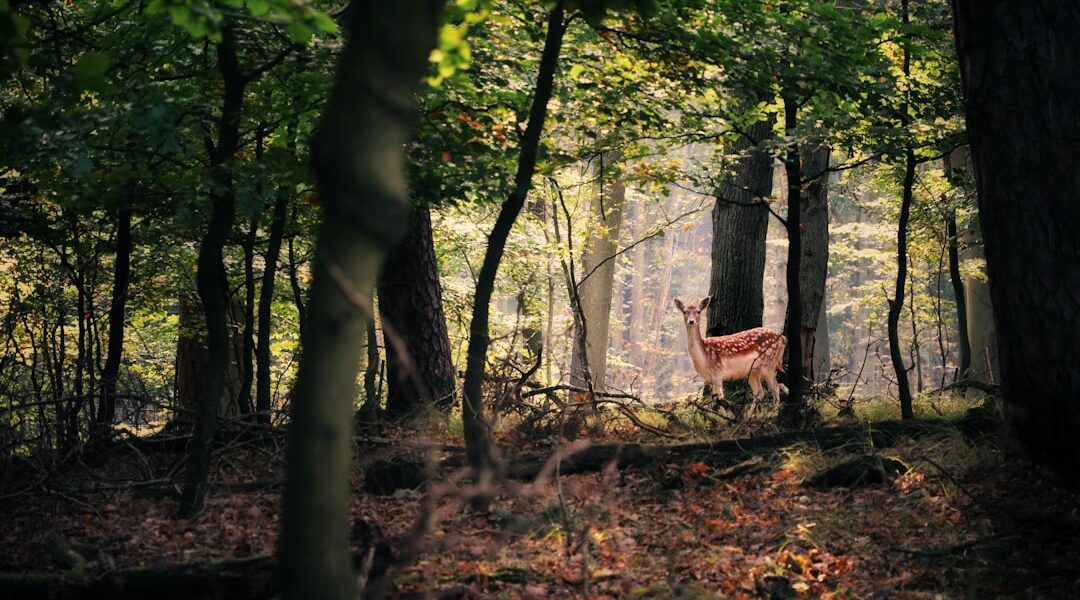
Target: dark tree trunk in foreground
x=358 y=162
x=472 y=407
x=791 y=407
x=211 y=279
x=410 y=306
x=958 y=294
x=896 y=304
x=814 y=267
x=266 y=301
x=1019 y=62
x=121 y=278
x=740 y=223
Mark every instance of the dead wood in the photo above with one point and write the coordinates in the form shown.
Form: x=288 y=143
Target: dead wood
x=597 y=457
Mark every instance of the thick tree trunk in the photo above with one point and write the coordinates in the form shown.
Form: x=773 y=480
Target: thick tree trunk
x=121 y=278
x=411 y=306
x=358 y=164
x=597 y=278
x=476 y=433
x=740 y=224
x=211 y=277
x=1019 y=62
x=792 y=405
x=814 y=267
x=266 y=301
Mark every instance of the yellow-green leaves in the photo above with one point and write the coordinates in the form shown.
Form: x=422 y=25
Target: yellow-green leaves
x=452 y=54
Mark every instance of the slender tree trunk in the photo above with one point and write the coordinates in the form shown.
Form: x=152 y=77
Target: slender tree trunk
x=1019 y=62
x=660 y=303
x=358 y=165
x=121 y=277
x=247 y=334
x=266 y=302
x=896 y=304
x=740 y=224
x=639 y=284
x=597 y=277
x=791 y=407
x=476 y=433
x=210 y=278
x=958 y=294
x=411 y=306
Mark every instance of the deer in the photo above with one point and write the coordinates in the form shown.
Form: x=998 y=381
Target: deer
x=755 y=354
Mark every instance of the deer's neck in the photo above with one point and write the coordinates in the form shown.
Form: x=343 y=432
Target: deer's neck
x=696 y=346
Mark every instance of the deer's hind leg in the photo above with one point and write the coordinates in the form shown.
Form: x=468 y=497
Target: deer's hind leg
x=754 y=379
x=774 y=387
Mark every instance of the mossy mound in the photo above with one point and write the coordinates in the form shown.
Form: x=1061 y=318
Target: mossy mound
x=860 y=471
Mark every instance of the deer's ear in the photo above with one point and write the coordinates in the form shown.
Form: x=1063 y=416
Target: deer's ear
x=705 y=302
x=679 y=304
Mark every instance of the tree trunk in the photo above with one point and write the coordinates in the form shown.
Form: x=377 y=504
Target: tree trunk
x=411 y=307
x=791 y=408
x=821 y=363
x=977 y=326
x=598 y=278
x=266 y=302
x=981 y=331
x=476 y=433
x=814 y=267
x=247 y=322
x=211 y=277
x=121 y=278
x=896 y=304
x=1019 y=62
x=638 y=286
x=740 y=224
x=358 y=154
x=958 y=294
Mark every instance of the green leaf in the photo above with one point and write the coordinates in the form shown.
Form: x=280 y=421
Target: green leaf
x=299 y=33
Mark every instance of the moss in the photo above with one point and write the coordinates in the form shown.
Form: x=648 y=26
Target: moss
x=860 y=471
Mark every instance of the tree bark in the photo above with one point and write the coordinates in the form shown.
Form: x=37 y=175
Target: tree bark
x=266 y=301
x=358 y=153
x=411 y=306
x=476 y=432
x=791 y=406
x=211 y=277
x=896 y=304
x=1019 y=62
x=814 y=267
x=247 y=317
x=110 y=374
x=958 y=295
x=740 y=224
x=598 y=278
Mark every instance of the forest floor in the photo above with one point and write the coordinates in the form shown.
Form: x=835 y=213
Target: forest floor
x=964 y=522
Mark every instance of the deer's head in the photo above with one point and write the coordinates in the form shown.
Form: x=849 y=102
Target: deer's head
x=692 y=312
